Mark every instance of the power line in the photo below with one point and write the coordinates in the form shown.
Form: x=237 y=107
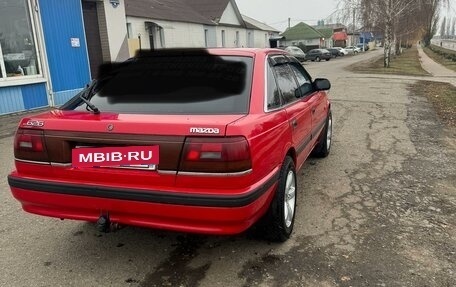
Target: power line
x=297 y=20
x=284 y=21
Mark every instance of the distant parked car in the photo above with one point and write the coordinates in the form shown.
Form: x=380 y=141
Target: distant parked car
x=335 y=52
x=318 y=55
x=342 y=50
x=352 y=49
x=296 y=52
x=360 y=46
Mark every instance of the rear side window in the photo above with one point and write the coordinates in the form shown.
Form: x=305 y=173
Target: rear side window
x=286 y=83
x=272 y=91
x=177 y=84
x=304 y=82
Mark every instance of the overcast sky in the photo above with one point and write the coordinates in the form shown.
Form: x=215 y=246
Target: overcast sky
x=276 y=12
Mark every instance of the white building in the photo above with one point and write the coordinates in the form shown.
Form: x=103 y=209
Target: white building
x=192 y=23
x=258 y=33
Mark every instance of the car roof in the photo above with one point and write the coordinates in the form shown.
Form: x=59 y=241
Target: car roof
x=244 y=52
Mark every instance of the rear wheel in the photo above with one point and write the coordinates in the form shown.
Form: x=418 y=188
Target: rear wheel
x=277 y=224
x=324 y=143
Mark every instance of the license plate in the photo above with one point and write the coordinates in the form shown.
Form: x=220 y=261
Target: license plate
x=133 y=156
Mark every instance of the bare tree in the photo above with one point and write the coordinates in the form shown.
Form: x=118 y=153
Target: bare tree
x=400 y=21
x=453 y=28
x=393 y=18
x=430 y=15
x=443 y=28
x=448 y=29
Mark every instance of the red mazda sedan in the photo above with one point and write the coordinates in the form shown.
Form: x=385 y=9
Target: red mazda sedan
x=204 y=141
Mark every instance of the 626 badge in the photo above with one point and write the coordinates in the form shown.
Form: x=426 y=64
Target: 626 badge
x=34 y=123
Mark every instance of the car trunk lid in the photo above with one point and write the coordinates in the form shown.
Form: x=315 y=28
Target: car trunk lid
x=64 y=131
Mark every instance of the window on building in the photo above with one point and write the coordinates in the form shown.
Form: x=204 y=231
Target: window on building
x=161 y=35
x=249 y=35
x=129 y=31
x=18 y=56
x=206 y=35
x=237 y=39
x=223 y=39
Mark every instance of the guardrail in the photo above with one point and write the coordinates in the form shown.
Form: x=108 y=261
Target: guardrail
x=445 y=43
x=444 y=52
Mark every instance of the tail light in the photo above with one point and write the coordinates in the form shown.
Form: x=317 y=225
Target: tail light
x=29 y=145
x=216 y=155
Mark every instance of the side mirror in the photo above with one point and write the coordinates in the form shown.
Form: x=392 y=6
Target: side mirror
x=305 y=89
x=321 y=84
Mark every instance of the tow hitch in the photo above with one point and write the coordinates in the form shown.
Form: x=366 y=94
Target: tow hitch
x=105 y=225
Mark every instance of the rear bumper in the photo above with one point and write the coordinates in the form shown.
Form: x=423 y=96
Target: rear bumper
x=198 y=213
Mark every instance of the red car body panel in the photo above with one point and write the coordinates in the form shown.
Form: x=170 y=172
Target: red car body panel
x=169 y=198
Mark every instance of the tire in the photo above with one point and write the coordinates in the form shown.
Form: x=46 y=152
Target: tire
x=317 y=59
x=328 y=59
x=323 y=147
x=277 y=223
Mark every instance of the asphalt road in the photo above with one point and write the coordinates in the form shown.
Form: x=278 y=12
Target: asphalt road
x=379 y=211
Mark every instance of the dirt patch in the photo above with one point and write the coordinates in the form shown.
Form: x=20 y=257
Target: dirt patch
x=442 y=96
x=175 y=270
x=405 y=64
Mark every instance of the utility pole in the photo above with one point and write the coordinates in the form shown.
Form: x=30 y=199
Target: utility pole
x=289 y=21
x=354 y=19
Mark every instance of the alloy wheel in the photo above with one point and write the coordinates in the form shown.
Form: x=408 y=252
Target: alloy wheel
x=329 y=133
x=289 y=199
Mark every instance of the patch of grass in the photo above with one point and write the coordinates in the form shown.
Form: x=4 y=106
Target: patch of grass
x=442 y=96
x=440 y=58
x=406 y=64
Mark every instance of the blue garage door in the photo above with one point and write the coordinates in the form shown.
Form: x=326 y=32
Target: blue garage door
x=21 y=98
x=65 y=46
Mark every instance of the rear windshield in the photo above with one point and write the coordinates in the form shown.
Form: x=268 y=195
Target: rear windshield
x=178 y=84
